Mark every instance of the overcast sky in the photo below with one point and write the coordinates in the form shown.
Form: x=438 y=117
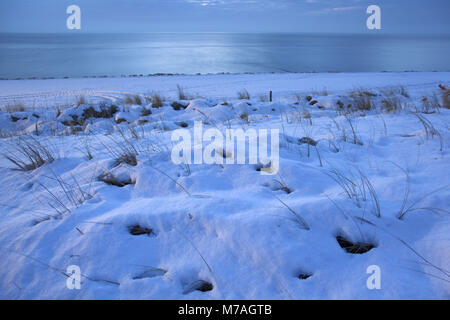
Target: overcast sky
x=347 y=16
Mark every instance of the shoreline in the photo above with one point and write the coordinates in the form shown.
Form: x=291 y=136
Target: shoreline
x=150 y=75
x=63 y=91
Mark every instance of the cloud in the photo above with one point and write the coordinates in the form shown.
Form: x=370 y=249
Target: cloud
x=258 y=4
x=218 y=2
x=240 y=2
x=335 y=10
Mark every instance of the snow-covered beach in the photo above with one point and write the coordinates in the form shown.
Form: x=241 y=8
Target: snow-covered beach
x=87 y=180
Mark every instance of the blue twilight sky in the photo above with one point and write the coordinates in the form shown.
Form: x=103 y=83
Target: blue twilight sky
x=341 y=16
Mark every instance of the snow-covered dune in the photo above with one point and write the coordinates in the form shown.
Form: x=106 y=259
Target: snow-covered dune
x=358 y=208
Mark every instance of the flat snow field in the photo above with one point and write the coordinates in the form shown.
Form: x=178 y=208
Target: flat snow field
x=359 y=208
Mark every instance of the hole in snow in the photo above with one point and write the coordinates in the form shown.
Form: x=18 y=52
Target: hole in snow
x=304 y=276
x=199 y=285
x=281 y=186
x=112 y=180
x=137 y=230
x=150 y=273
x=182 y=124
x=354 y=248
x=40 y=220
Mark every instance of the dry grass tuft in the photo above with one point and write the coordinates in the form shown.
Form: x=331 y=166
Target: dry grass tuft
x=30 y=154
x=430 y=105
x=430 y=129
x=244 y=95
x=136 y=99
x=445 y=96
x=390 y=102
x=157 y=100
x=128 y=100
x=181 y=93
x=362 y=100
x=15 y=107
x=123 y=150
x=128 y=157
x=81 y=100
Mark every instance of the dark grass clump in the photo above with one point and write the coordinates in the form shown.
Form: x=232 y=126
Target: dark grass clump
x=244 y=117
x=120 y=120
x=105 y=112
x=354 y=248
x=178 y=106
x=15 y=118
x=308 y=140
x=183 y=124
x=137 y=230
x=146 y=112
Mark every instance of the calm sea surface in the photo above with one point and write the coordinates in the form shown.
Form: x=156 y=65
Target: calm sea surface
x=77 y=55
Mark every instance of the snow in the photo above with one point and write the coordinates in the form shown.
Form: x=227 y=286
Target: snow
x=61 y=91
x=228 y=225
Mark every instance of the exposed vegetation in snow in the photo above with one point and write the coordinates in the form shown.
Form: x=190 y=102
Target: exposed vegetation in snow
x=364 y=180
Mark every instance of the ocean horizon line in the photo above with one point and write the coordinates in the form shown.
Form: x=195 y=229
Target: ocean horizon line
x=365 y=33
x=208 y=74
